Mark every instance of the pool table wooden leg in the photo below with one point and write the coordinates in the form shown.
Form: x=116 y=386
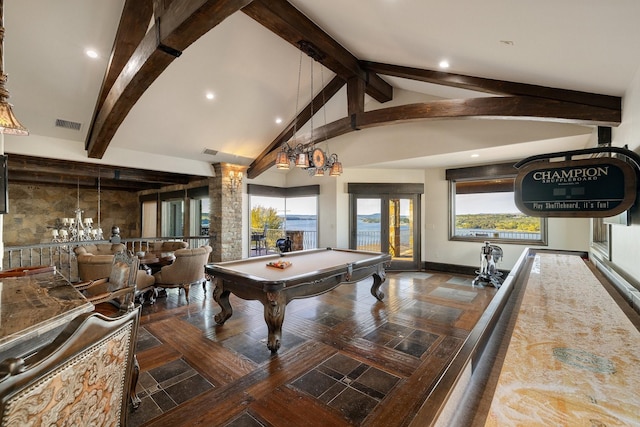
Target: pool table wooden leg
x=378 y=280
x=221 y=296
x=274 y=307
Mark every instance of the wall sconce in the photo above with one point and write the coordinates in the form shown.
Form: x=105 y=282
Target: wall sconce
x=235 y=181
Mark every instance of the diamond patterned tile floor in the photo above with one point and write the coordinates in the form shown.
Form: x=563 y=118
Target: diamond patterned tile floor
x=345 y=359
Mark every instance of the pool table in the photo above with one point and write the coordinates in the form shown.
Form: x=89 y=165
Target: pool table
x=311 y=272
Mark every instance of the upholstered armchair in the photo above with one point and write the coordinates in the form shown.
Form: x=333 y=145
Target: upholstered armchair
x=94 y=260
x=187 y=269
x=164 y=246
x=145 y=289
x=119 y=287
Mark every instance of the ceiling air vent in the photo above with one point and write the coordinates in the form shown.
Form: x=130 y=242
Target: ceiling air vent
x=67 y=124
x=210 y=151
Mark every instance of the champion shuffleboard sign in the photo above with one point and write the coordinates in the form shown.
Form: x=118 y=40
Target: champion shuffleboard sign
x=593 y=188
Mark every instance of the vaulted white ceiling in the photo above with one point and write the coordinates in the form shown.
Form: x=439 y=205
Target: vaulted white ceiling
x=584 y=45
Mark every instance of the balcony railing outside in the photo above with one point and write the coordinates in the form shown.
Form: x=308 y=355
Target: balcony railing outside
x=369 y=240
x=309 y=240
x=496 y=234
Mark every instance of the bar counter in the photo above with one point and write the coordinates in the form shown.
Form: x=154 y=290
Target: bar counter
x=33 y=308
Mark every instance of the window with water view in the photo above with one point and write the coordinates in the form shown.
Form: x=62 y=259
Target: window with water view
x=485 y=210
x=274 y=218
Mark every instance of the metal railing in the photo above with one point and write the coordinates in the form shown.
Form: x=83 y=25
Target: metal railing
x=62 y=255
x=309 y=239
x=370 y=241
x=496 y=234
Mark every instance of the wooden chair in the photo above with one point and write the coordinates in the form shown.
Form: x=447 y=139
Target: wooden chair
x=119 y=287
x=83 y=377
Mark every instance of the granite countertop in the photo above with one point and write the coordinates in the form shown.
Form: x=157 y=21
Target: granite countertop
x=32 y=305
x=574 y=356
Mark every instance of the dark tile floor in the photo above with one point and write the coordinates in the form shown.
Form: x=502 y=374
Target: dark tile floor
x=349 y=386
x=165 y=387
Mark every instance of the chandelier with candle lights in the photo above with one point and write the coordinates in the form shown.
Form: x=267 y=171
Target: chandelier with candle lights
x=76 y=228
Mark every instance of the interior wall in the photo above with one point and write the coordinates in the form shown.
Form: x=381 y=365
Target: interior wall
x=563 y=233
x=625 y=241
x=64 y=149
x=34 y=209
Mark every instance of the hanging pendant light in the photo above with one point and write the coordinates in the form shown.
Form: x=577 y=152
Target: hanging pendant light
x=282 y=160
x=9 y=124
x=314 y=160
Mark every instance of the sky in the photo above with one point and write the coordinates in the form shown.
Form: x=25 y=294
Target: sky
x=485 y=203
x=295 y=206
x=465 y=204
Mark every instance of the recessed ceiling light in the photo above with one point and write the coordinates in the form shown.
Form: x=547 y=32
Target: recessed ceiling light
x=210 y=95
x=444 y=64
x=278 y=120
x=475 y=155
x=91 y=53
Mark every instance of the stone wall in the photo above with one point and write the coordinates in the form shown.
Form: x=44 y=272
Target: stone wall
x=34 y=209
x=226 y=214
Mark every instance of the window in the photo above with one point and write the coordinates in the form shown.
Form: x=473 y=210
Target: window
x=483 y=208
x=199 y=221
x=149 y=218
x=280 y=212
x=600 y=237
x=172 y=218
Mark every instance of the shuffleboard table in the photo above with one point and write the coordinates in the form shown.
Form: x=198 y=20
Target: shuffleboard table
x=305 y=274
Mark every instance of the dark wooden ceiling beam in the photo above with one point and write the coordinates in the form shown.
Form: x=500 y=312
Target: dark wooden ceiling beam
x=132 y=28
x=31 y=178
x=507 y=108
x=302 y=118
x=280 y=17
x=500 y=87
x=19 y=164
x=322 y=133
x=182 y=23
x=355 y=96
x=510 y=107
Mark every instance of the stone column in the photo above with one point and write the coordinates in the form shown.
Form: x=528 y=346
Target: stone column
x=226 y=210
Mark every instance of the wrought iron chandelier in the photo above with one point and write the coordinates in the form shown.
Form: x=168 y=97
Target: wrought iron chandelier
x=77 y=229
x=311 y=158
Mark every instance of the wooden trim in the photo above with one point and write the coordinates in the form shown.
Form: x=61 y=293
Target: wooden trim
x=268 y=191
x=384 y=188
x=485 y=186
x=172 y=195
x=455 y=269
x=500 y=170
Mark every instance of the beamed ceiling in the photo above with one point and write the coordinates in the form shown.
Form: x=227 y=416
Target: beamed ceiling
x=152 y=37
